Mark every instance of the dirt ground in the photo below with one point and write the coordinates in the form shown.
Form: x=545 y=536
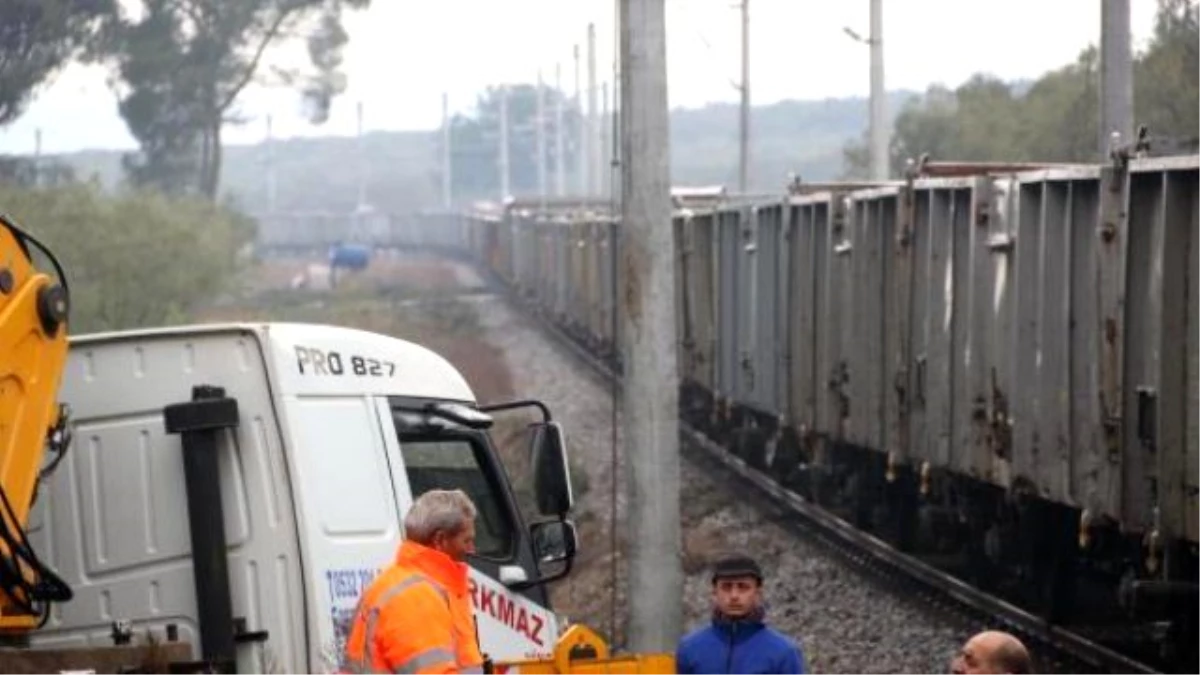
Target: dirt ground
x=844 y=622
x=409 y=273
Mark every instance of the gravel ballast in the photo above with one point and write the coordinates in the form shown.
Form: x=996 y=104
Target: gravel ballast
x=845 y=621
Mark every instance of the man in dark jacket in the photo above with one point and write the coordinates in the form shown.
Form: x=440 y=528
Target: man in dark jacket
x=738 y=639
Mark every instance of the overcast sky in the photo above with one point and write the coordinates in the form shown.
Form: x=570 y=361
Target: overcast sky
x=403 y=54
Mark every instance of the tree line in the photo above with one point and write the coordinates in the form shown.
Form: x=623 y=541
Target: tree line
x=178 y=67
x=138 y=259
x=154 y=252
x=802 y=137
x=475 y=141
x=1057 y=118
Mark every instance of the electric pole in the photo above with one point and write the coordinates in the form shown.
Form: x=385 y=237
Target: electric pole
x=362 y=161
x=540 y=123
x=504 y=170
x=271 y=184
x=560 y=168
x=446 y=193
x=647 y=278
x=37 y=157
x=879 y=136
x=591 y=111
x=603 y=165
x=581 y=131
x=744 y=141
x=1116 y=80
x=614 y=125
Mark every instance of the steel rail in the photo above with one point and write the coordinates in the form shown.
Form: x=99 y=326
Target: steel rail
x=854 y=543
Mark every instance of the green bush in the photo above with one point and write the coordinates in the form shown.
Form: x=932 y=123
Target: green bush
x=132 y=260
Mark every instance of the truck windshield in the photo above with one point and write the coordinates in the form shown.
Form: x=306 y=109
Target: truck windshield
x=450 y=458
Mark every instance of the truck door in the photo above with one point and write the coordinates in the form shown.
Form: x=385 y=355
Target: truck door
x=349 y=504
x=512 y=624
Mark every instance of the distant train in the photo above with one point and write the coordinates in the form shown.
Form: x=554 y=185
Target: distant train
x=995 y=370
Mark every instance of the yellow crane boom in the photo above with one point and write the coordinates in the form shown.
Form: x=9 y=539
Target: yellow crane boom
x=581 y=650
x=33 y=354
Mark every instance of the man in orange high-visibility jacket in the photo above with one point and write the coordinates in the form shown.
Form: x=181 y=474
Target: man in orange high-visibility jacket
x=416 y=617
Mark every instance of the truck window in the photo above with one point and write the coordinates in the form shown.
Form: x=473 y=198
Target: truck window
x=449 y=462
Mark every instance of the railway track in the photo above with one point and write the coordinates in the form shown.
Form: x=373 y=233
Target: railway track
x=940 y=591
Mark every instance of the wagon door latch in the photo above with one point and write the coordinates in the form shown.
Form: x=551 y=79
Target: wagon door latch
x=748 y=369
x=838 y=380
x=1147 y=417
x=689 y=351
x=1000 y=421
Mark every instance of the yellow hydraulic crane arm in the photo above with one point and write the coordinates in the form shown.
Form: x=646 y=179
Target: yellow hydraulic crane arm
x=580 y=651
x=33 y=354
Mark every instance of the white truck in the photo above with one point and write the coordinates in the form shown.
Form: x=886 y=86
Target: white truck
x=237 y=486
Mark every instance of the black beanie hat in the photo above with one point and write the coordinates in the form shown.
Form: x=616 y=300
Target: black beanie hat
x=736 y=566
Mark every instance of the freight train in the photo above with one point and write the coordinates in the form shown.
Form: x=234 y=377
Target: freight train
x=993 y=368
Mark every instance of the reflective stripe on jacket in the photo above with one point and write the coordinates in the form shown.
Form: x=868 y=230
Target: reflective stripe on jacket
x=416 y=617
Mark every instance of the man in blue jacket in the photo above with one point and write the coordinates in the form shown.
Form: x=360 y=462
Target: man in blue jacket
x=738 y=639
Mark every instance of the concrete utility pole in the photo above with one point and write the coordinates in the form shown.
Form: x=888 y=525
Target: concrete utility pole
x=560 y=156
x=614 y=125
x=1116 y=80
x=581 y=132
x=647 y=278
x=272 y=193
x=446 y=168
x=603 y=165
x=540 y=124
x=37 y=157
x=744 y=141
x=505 y=189
x=592 y=181
x=879 y=135
x=362 y=161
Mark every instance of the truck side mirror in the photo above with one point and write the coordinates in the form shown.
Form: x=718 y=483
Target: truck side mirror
x=551 y=477
x=554 y=548
x=553 y=541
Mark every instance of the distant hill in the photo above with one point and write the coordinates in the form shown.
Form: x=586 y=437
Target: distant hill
x=311 y=173
x=805 y=137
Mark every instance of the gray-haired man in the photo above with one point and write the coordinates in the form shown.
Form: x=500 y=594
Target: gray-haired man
x=417 y=617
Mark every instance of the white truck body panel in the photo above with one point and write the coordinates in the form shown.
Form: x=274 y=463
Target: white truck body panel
x=313 y=484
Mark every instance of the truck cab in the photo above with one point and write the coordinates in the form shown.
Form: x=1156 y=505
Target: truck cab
x=294 y=450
